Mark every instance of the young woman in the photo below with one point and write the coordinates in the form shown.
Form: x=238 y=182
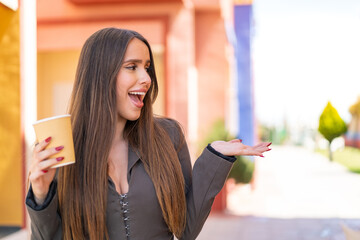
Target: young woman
x=132 y=178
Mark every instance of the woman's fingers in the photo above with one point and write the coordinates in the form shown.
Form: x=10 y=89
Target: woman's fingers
x=257 y=150
x=46 y=164
x=40 y=169
x=262 y=145
x=41 y=157
x=42 y=145
x=36 y=175
x=48 y=152
x=40 y=153
x=236 y=141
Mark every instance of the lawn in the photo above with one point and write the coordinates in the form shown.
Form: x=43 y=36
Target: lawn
x=349 y=157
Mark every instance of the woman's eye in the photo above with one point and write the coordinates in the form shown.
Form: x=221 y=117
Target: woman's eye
x=133 y=67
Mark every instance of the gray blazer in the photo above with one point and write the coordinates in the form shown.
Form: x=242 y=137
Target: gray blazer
x=144 y=215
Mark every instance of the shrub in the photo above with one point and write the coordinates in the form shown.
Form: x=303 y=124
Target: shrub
x=331 y=125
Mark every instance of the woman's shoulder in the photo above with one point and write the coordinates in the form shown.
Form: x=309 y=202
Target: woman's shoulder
x=172 y=127
x=167 y=122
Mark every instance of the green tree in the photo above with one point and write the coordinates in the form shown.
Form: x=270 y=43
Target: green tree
x=331 y=125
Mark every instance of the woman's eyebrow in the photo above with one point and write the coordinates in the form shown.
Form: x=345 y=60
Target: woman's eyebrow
x=136 y=61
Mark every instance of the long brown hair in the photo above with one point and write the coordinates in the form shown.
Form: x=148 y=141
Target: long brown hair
x=82 y=187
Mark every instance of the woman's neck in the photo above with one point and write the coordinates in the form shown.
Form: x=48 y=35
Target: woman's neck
x=119 y=131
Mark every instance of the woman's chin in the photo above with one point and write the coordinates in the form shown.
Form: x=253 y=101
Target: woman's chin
x=134 y=117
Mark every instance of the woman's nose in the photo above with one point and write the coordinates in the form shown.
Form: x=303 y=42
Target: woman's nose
x=145 y=78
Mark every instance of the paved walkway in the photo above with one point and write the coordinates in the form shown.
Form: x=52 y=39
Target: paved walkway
x=299 y=195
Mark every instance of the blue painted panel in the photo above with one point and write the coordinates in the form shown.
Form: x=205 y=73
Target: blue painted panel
x=243 y=20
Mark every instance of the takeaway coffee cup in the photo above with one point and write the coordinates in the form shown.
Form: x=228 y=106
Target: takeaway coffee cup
x=60 y=131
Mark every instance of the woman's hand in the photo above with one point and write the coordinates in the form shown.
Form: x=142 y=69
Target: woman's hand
x=236 y=148
x=41 y=173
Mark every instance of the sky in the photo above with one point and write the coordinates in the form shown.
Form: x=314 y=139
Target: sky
x=305 y=53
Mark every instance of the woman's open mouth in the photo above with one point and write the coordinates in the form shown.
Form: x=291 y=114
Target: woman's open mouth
x=137 y=98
